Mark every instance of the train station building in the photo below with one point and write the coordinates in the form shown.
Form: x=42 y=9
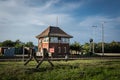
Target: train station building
x=54 y=40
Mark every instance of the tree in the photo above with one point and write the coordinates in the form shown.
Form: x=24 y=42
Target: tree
x=8 y=43
x=19 y=44
x=115 y=46
x=86 y=47
x=76 y=46
x=29 y=44
x=0 y=44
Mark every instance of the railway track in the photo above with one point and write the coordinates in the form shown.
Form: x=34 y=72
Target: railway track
x=20 y=58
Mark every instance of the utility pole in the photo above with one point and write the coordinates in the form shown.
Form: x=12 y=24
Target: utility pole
x=93 y=46
x=23 y=53
x=103 y=38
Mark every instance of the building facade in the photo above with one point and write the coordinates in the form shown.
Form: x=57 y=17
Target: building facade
x=55 y=40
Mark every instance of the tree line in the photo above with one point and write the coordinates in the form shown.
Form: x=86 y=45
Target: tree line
x=112 y=47
x=17 y=44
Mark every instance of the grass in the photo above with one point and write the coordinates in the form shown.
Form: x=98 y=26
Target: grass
x=93 y=69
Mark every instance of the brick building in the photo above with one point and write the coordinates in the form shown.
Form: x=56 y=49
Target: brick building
x=54 y=40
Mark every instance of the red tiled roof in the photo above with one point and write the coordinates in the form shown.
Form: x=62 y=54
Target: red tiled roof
x=53 y=32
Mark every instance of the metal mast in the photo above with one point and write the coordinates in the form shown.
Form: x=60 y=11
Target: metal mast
x=103 y=38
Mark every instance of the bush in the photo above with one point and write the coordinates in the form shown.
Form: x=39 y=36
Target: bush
x=90 y=54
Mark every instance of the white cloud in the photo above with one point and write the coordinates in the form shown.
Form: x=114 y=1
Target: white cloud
x=21 y=21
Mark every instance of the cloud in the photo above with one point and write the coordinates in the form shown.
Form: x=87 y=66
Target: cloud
x=24 y=19
x=20 y=21
x=110 y=27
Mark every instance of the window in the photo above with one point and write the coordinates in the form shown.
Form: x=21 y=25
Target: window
x=65 y=40
x=46 y=39
x=54 y=39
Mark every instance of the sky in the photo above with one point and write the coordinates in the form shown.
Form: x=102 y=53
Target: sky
x=83 y=19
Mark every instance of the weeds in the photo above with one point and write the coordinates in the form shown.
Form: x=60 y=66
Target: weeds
x=71 y=70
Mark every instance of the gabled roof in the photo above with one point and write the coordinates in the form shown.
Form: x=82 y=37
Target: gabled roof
x=52 y=31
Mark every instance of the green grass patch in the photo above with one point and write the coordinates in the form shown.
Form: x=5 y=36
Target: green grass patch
x=93 y=69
